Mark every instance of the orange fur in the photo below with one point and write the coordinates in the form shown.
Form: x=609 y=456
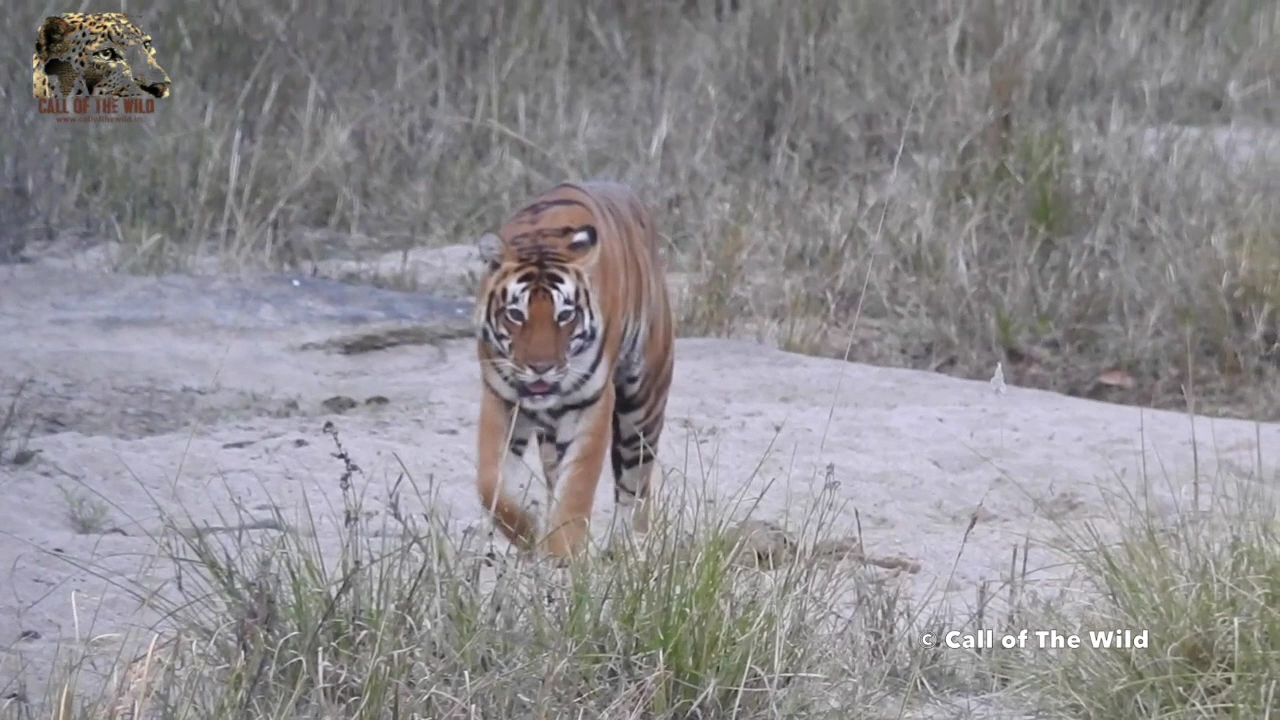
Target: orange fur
x=575 y=342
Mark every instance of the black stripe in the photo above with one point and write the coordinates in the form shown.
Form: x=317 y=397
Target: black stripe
x=505 y=404
x=638 y=444
x=639 y=449
x=491 y=301
x=632 y=463
x=541 y=206
x=628 y=404
x=631 y=442
x=558 y=412
x=547 y=429
x=653 y=428
x=591 y=372
x=618 y=487
x=615 y=457
x=502 y=373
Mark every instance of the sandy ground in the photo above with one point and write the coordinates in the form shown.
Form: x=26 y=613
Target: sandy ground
x=210 y=392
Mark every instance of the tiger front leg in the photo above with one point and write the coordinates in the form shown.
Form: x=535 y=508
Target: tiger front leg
x=551 y=454
x=503 y=437
x=633 y=455
x=585 y=441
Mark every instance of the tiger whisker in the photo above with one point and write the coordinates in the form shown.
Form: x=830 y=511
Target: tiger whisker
x=573 y=375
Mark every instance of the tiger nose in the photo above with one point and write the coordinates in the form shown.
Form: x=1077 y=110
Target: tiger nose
x=542 y=368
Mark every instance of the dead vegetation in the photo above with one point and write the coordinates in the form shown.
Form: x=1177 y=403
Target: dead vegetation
x=393 y=613
x=1028 y=182
x=17 y=424
x=986 y=180
x=410 y=619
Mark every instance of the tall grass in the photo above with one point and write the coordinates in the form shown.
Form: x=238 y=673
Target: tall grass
x=401 y=615
x=998 y=165
x=1201 y=588
x=985 y=179
x=392 y=612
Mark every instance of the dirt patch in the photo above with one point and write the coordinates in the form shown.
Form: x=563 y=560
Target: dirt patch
x=52 y=405
x=112 y=354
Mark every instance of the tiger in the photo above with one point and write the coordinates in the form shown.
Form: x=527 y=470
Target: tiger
x=575 y=341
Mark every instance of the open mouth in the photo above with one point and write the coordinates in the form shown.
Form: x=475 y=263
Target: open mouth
x=537 y=387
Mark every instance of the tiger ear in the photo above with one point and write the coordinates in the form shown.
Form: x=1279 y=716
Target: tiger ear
x=491 y=247
x=585 y=245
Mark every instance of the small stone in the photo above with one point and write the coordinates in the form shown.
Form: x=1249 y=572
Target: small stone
x=338 y=404
x=24 y=456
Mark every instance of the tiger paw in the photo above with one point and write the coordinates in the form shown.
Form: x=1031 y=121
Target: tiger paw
x=566 y=541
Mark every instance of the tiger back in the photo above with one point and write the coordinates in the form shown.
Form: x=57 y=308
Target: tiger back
x=575 y=339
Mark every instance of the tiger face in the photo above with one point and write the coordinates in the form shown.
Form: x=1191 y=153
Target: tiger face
x=540 y=319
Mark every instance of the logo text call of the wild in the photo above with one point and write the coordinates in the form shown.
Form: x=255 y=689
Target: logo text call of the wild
x=96 y=66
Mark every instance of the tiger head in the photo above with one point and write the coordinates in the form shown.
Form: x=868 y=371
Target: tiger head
x=538 y=318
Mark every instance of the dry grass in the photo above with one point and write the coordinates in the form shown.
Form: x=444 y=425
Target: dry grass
x=16 y=424
x=992 y=163
x=403 y=617
x=978 y=176
x=1204 y=592
x=406 y=618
